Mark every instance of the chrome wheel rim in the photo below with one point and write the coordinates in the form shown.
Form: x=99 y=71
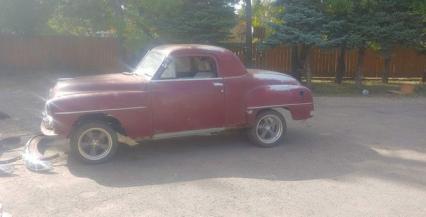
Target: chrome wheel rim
x=269 y=129
x=95 y=144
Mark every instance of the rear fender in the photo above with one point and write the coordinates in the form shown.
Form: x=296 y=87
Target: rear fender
x=295 y=98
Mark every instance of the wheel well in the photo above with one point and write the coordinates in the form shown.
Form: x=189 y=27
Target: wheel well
x=258 y=112
x=285 y=112
x=110 y=120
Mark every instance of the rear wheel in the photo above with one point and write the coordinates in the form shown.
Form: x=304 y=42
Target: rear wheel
x=268 y=130
x=94 y=142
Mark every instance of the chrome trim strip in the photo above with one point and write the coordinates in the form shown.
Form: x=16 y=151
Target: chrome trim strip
x=101 y=110
x=70 y=93
x=188 y=133
x=283 y=105
x=188 y=79
x=236 y=76
x=200 y=79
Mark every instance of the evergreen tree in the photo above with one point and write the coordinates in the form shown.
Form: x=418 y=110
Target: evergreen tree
x=394 y=23
x=348 y=28
x=302 y=24
x=337 y=31
x=190 y=21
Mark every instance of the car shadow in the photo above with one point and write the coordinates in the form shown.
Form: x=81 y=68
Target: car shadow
x=305 y=155
x=10 y=143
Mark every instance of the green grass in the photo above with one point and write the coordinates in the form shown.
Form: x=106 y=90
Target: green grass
x=375 y=88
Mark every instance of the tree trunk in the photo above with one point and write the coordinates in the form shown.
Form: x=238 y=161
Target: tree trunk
x=359 y=65
x=341 y=65
x=308 y=71
x=118 y=13
x=385 y=76
x=249 y=36
x=295 y=62
x=303 y=55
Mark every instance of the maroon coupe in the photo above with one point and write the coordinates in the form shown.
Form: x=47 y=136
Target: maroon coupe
x=174 y=89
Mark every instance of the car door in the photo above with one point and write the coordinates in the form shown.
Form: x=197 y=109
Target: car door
x=188 y=95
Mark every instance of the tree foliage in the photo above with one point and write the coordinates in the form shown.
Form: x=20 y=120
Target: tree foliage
x=135 y=22
x=348 y=24
x=390 y=28
x=192 y=21
x=301 y=23
x=25 y=17
x=81 y=17
x=264 y=13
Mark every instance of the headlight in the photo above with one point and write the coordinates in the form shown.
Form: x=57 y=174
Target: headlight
x=48 y=121
x=47 y=109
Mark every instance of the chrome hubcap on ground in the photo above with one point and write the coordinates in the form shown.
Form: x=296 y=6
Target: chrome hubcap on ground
x=269 y=129
x=95 y=143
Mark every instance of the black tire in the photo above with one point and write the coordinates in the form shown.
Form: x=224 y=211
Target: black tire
x=78 y=149
x=253 y=132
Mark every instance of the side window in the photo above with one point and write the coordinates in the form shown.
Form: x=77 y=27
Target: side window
x=205 y=67
x=190 y=67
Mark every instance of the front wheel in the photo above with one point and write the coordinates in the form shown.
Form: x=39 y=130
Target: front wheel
x=268 y=130
x=94 y=142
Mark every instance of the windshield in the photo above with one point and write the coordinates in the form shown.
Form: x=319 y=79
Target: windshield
x=150 y=64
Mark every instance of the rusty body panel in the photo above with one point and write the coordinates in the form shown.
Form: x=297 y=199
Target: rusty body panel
x=146 y=107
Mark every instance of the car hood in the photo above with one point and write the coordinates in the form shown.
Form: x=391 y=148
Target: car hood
x=98 y=83
x=271 y=76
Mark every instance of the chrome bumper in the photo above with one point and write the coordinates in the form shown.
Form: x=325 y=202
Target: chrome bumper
x=33 y=159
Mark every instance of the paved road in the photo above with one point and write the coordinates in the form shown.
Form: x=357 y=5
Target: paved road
x=357 y=157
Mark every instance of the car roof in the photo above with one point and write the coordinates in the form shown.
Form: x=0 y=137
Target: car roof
x=229 y=63
x=178 y=48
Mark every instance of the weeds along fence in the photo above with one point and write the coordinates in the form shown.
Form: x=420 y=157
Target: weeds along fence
x=405 y=62
x=103 y=55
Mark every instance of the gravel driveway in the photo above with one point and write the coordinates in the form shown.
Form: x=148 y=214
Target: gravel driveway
x=356 y=157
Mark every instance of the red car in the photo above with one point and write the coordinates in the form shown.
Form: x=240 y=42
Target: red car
x=174 y=89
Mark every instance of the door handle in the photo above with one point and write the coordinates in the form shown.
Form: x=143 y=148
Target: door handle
x=217 y=84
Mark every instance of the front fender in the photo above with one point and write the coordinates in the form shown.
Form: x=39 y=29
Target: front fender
x=130 y=108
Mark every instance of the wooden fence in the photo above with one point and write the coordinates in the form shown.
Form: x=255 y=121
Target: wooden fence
x=58 y=52
x=405 y=63
x=102 y=54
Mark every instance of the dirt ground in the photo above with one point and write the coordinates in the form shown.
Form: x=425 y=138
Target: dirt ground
x=359 y=156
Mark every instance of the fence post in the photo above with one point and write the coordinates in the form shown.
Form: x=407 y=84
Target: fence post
x=249 y=37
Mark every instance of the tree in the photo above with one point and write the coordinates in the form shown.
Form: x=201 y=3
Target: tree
x=337 y=31
x=25 y=17
x=81 y=17
x=264 y=12
x=140 y=24
x=188 y=21
x=249 y=34
x=394 y=23
x=302 y=25
x=348 y=27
